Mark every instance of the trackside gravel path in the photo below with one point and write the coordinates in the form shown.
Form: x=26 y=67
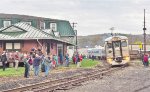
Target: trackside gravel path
x=134 y=78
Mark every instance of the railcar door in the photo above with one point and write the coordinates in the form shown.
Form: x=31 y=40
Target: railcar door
x=117 y=49
x=109 y=51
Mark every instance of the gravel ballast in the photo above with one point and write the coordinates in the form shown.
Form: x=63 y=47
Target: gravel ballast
x=134 y=78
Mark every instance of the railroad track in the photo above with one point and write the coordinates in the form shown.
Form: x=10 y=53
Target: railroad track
x=52 y=85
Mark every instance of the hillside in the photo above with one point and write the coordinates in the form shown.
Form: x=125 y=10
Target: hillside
x=92 y=40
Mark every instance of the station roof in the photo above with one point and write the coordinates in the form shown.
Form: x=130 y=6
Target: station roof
x=63 y=27
x=24 y=31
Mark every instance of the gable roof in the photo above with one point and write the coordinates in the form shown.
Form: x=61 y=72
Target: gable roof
x=24 y=31
x=64 y=27
x=24 y=17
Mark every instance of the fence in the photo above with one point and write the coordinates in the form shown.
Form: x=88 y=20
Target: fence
x=135 y=52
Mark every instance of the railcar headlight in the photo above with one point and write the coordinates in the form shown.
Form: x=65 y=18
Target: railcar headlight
x=109 y=59
x=127 y=58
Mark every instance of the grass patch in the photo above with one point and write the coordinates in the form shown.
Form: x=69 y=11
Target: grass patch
x=12 y=72
x=88 y=63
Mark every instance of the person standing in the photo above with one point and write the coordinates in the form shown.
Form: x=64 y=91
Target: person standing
x=26 y=65
x=16 y=60
x=53 y=62
x=145 y=58
x=30 y=61
x=77 y=58
x=61 y=58
x=36 y=64
x=4 y=60
x=56 y=60
x=74 y=58
x=42 y=66
x=67 y=60
x=47 y=64
x=93 y=57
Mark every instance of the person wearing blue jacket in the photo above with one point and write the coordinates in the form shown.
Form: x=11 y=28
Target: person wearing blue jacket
x=67 y=60
x=61 y=58
x=47 y=64
x=36 y=64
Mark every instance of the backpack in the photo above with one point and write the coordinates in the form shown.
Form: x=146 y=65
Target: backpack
x=30 y=61
x=16 y=57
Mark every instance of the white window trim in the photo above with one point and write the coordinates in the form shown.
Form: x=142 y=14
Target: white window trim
x=6 y=21
x=55 y=26
x=42 y=23
x=9 y=45
x=17 y=45
x=44 y=26
x=13 y=46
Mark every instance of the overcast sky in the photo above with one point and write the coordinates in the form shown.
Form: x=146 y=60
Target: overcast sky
x=92 y=16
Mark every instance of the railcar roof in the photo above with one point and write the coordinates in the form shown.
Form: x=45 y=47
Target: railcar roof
x=110 y=38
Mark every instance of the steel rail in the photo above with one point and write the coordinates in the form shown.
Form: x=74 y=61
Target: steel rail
x=58 y=83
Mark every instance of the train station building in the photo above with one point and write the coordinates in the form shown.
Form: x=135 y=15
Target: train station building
x=22 y=33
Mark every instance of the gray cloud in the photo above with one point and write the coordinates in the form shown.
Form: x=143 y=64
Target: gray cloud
x=92 y=16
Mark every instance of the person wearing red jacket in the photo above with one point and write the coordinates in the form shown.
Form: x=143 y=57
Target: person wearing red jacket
x=145 y=59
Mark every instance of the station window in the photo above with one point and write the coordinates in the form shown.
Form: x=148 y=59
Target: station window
x=53 y=26
x=6 y=23
x=17 y=46
x=42 y=25
x=9 y=46
x=13 y=46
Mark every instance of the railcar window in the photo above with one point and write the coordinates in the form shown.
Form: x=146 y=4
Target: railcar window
x=116 y=44
x=109 y=45
x=124 y=44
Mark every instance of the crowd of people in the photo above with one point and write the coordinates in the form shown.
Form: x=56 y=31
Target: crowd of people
x=12 y=57
x=35 y=60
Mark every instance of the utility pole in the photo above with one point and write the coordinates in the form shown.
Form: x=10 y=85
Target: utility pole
x=73 y=26
x=144 y=34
